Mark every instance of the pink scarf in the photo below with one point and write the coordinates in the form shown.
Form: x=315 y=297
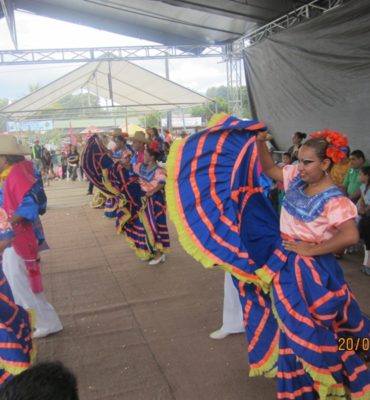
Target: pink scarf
x=20 y=181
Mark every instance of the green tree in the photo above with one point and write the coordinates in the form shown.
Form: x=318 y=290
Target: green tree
x=3 y=103
x=219 y=95
x=152 y=120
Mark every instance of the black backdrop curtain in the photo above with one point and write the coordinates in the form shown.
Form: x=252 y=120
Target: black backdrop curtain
x=314 y=76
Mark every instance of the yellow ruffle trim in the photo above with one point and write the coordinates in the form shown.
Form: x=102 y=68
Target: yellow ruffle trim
x=205 y=258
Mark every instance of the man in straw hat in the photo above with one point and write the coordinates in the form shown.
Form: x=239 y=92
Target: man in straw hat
x=138 y=144
x=20 y=197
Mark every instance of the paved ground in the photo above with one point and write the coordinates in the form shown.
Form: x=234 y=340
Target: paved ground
x=132 y=331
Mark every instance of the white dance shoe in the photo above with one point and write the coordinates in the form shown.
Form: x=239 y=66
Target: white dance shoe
x=41 y=333
x=156 y=261
x=219 y=334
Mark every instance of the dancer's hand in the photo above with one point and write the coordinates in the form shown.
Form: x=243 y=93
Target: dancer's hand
x=263 y=136
x=301 y=248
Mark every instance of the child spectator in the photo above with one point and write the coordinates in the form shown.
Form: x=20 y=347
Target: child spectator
x=351 y=184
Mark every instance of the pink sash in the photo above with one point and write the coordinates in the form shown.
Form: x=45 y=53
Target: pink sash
x=20 y=181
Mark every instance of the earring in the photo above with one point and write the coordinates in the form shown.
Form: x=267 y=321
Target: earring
x=326 y=172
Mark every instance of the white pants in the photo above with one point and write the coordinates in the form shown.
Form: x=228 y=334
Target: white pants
x=232 y=319
x=16 y=273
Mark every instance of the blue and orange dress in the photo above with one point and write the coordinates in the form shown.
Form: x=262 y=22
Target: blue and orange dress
x=302 y=321
x=153 y=212
x=122 y=184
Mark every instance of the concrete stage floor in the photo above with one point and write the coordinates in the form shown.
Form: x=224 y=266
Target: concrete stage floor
x=140 y=332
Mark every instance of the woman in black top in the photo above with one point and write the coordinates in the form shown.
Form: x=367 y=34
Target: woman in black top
x=297 y=140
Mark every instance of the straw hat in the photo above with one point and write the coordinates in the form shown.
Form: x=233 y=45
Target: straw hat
x=10 y=147
x=140 y=137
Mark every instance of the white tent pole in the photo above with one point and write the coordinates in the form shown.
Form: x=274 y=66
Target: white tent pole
x=169 y=113
x=110 y=85
x=183 y=118
x=126 y=119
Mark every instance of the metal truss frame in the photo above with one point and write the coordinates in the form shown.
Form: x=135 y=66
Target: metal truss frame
x=301 y=14
x=129 y=53
x=234 y=52
x=231 y=53
x=234 y=67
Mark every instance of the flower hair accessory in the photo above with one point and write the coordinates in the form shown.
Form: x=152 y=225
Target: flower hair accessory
x=337 y=144
x=155 y=146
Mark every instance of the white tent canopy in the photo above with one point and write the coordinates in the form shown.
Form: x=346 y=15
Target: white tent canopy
x=125 y=83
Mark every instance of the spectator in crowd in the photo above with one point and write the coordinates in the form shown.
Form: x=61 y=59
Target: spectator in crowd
x=148 y=132
x=351 y=183
x=73 y=161
x=37 y=154
x=364 y=212
x=46 y=165
x=64 y=163
x=167 y=137
x=183 y=135
x=297 y=140
x=157 y=139
x=339 y=171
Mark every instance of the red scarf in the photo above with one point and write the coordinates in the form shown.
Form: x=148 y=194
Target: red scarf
x=17 y=184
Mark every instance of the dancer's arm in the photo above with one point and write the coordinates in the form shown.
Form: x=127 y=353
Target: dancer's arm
x=346 y=235
x=158 y=188
x=267 y=163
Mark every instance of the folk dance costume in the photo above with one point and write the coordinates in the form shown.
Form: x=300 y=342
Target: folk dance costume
x=297 y=310
x=134 y=214
x=112 y=202
x=153 y=214
x=16 y=348
x=19 y=195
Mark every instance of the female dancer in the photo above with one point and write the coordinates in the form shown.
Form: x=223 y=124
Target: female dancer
x=304 y=328
x=317 y=313
x=139 y=214
x=152 y=181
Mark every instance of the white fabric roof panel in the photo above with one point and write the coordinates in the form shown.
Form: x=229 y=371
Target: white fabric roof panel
x=170 y=22
x=132 y=86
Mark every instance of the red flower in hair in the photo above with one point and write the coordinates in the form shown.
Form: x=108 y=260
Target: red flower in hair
x=336 y=144
x=155 y=146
